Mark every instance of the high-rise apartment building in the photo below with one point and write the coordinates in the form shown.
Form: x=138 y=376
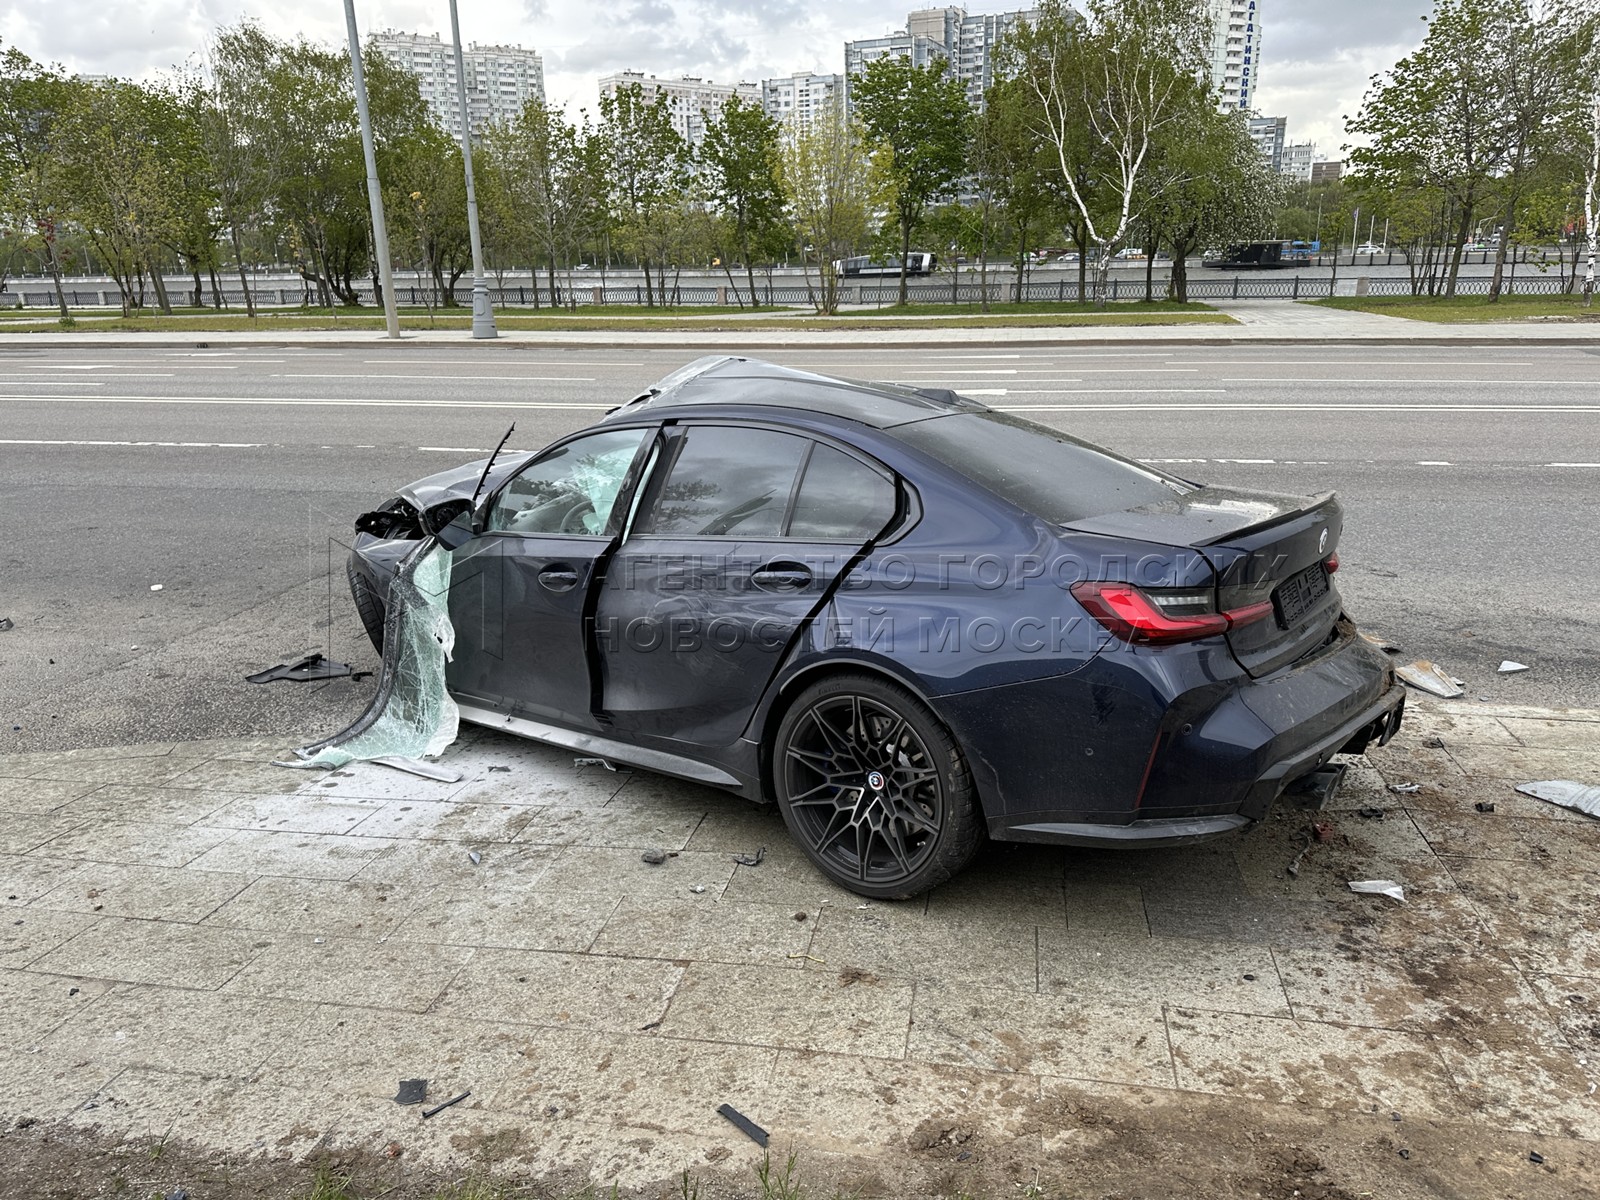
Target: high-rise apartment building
x=1235 y=52
x=967 y=42
x=1297 y=160
x=801 y=97
x=1270 y=135
x=500 y=79
x=693 y=102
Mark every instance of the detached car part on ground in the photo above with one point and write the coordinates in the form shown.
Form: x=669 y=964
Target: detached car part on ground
x=909 y=620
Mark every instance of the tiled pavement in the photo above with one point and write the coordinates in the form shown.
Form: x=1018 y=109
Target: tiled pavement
x=199 y=944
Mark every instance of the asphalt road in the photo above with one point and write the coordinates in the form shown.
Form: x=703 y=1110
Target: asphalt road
x=228 y=477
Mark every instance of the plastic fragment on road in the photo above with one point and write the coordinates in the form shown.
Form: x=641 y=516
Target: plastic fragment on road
x=439 y=1108
x=1430 y=678
x=653 y=857
x=475 y=858
x=6 y=624
x=751 y=860
x=594 y=762
x=416 y=766
x=308 y=668
x=411 y=715
x=744 y=1125
x=1511 y=668
x=155 y=587
x=412 y=1091
x=1566 y=793
x=1405 y=789
x=1381 y=643
x=1484 y=806
x=1379 y=887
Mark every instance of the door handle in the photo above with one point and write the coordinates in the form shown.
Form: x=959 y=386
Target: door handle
x=782 y=577
x=558 y=578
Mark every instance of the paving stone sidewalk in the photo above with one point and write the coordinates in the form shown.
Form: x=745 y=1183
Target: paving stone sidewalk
x=199 y=944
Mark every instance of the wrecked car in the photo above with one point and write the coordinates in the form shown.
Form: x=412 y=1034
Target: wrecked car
x=909 y=620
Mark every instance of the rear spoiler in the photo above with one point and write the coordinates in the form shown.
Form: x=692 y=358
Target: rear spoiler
x=1206 y=517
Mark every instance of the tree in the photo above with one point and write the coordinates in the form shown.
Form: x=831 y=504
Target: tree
x=32 y=100
x=921 y=115
x=646 y=162
x=831 y=183
x=739 y=164
x=549 y=170
x=1015 y=158
x=1105 y=89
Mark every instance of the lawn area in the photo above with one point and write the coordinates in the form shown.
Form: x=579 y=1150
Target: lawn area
x=1466 y=309
x=700 y=319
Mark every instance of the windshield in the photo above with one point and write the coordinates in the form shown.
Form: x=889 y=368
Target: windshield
x=1049 y=474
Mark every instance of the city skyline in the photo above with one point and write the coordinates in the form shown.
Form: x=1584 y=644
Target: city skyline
x=1317 y=57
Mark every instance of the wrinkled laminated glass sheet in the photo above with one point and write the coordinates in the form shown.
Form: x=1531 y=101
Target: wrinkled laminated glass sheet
x=412 y=714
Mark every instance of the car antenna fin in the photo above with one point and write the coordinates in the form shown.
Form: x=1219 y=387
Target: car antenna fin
x=477 y=491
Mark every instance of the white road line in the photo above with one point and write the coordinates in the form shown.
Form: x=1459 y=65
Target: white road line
x=106 y=375
x=185 y=445
x=1122 y=392
x=294 y=402
x=1431 y=382
x=1434 y=463
x=440 y=378
x=478 y=362
x=1250 y=462
x=1594 y=464
x=1345 y=362
x=33 y=383
x=455 y=449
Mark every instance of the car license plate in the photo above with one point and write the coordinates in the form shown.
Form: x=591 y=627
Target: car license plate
x=1299 y=594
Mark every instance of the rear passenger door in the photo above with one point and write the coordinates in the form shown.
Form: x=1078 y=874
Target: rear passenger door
x=740 y=536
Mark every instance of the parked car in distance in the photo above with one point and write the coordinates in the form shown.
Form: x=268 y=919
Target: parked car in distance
x=909 y=620
x=1253 y=256
x=1370 y=248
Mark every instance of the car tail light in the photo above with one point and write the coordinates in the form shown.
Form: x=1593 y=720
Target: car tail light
x=1332 y=563
x=1159 y=616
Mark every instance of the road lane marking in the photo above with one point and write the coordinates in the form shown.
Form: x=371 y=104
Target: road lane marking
x=1594 y=464
x=1435 y=463
x=185 y=445
x=439 y=378
x=33 y=383
x=1428 y=382
x=478 y=362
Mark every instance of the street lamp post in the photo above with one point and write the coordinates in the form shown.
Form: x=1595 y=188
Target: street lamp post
x=380 y=231
x=482 y=314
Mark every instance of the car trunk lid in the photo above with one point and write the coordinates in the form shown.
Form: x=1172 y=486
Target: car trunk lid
x=1271 y=555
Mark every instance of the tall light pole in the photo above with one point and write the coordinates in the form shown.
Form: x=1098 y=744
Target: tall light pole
x=380 y=231
x=482 y=315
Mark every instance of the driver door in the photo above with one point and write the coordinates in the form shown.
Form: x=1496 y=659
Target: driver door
x=518 y=590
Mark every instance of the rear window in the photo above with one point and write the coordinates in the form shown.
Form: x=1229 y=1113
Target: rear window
x=1049 y=474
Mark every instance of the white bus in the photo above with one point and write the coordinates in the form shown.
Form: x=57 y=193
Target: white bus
x=917 y=263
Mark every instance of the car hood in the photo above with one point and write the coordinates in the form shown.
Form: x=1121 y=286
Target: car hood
x=458 y=483
x=1202 y=517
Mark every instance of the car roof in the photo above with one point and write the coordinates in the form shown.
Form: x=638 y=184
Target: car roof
x=751 y=382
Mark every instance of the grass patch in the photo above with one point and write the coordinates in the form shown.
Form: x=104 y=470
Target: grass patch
x=1465 y=309
x=1003 y=309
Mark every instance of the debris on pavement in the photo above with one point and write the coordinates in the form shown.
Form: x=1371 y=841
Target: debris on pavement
x=745 y=1125
x=1405 y=789
x=654 y=857
x=308 y=668
x=500 y=768
x=595 y=762
x=1433 y=743
x=412 y=1091
x=751 y=860
x=475 y=857
x=155 y=587
x=1511 y=668
x=1565 y=793
x=1372 y=814
x=416 y=766
x=177 y=1194
x=1293 y=869
x=1322 y=830
x=6 y=623
x=439 y=1108
x=1536 y=1158
x=1484 y=806
x=699 y=889
x=1381 y=643
x=1431 y=678
x=1379 y=887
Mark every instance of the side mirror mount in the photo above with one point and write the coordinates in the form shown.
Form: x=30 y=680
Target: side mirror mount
x=451 y=523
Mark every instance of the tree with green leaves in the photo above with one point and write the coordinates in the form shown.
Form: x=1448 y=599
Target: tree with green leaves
x=32 y=193
x=739 y=169
x=647 y=167
x=832 y=183
x=921 y=115
x=1014 y=160
x=1106 y=87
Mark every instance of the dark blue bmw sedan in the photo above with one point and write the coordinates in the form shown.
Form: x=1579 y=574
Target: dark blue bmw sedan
x=910 y=621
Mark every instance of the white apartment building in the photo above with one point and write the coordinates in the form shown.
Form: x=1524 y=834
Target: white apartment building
x=968 y=42
x=800 y=97
x=1235 y=52
x=1297 y=160
x=693 y=102
x=500 y=79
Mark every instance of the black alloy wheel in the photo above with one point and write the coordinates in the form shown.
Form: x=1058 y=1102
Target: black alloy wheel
x=874 y=789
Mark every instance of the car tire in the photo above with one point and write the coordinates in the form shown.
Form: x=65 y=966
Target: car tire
x=873 y=788
x=368 y=607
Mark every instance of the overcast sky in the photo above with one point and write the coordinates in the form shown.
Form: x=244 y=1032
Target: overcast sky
x=1317 y=54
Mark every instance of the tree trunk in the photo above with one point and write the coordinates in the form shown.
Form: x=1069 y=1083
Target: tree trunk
x=1151 y=243
x=1178 y=288
x=749 y=268
x=983 y=260
x=1022 y=250
x=1463 y=230
x=216 y=288
x=1501 y=249
x=555 y=300
x=55 y=273
x=199 y=285
x=1080 y=238
x=159 y=283
x=905 y=256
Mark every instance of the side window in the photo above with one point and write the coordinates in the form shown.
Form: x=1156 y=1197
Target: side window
x=840 y=499
x=572 y=489
x=728 y=482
